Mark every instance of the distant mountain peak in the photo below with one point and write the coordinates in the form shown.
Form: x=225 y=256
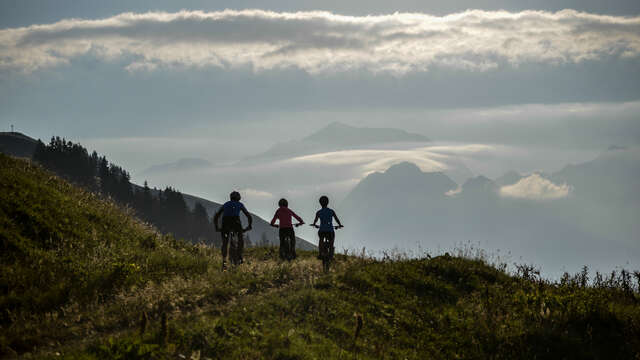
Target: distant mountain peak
x=337 y=125
x=616 y=147
x=479 y=180
x=338 y=136
x=479 y=185
x=510 y=178
x=404 y=168
x=338 y=133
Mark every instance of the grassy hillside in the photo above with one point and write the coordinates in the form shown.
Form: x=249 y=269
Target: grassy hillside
x=80 y=278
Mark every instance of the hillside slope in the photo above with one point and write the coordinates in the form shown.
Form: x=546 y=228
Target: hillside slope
x=17 y=144
x=20 y=145
x=82 y=279
x=63 y=246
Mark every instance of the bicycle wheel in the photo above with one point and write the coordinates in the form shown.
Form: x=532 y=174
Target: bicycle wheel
x=325 y=255
x=285 y=248
x=234 y=248
x=290 y=249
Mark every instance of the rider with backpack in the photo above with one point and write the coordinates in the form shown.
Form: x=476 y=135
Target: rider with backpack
x=284 y=215
x=230 y=212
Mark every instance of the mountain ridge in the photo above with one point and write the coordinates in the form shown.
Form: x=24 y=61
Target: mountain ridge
x=592 y=204
x=336 y=136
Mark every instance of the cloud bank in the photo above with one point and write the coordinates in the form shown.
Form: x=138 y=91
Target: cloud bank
x=535 y=187
x=319 y=42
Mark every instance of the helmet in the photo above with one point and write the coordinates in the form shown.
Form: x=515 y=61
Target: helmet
x=235 y=196
x=283 y=202
x=324 y=201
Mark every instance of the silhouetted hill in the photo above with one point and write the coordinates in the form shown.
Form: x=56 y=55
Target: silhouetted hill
x=510 y=178
x=401 y=183
x=17 y=144
x=388 y=208
x=612 y=176
x=478 y=184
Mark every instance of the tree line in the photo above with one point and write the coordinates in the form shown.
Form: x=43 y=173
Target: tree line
x=165 y=209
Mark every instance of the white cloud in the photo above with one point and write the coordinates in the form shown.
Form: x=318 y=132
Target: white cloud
x=377 y=160
x=255 y=194
x=454 y=192
x=535 y=187
x=322 y=41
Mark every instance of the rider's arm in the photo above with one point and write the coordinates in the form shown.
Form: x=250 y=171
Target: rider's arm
x=336 y=217
x=297 y=217
x=217 y=215
x=315 y=220
x=249 y=218
x=275 y=216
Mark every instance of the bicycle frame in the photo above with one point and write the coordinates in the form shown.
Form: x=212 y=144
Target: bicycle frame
x=286 y=248
x=234 y=238
x=326 y=251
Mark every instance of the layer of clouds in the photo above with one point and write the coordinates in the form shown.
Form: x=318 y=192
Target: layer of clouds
x=303 y=179
x=535 y=187
x=442 y=158
x=255 y=194
x=318 y=42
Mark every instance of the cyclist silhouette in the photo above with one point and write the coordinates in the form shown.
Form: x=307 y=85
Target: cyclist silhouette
x=326 y=228
x=284 y=215
x=230 y=212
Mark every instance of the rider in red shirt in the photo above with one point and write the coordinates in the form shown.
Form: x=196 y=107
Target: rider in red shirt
x=284 y=215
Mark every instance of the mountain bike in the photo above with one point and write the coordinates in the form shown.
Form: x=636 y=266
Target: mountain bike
x=326 y=250
x=288 y=246
x=235 y=247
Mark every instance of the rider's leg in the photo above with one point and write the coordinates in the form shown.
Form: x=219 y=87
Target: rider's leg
x=321 y=237
x=225 y=245
x=282 y=251
x=240 y=243
x=293 y=244
x=289 y=246
x=331 y=236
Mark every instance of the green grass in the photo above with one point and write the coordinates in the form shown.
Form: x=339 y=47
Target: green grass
x=79 y=288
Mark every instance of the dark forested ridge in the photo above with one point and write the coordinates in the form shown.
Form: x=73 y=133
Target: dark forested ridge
x=170 y=211
x=166 y=209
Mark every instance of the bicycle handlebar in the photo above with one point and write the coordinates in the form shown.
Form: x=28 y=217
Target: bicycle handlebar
x=278 y=226
x=336 y=227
